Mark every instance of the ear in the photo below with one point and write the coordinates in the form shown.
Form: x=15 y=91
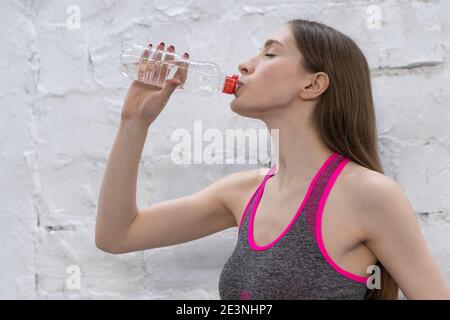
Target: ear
x=315 y=85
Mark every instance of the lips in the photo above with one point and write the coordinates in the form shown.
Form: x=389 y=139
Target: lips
x=239 y=85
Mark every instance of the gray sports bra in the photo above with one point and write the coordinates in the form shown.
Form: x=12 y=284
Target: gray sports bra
x=295 y=265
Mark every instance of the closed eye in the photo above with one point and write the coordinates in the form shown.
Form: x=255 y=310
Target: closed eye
x=269 y=55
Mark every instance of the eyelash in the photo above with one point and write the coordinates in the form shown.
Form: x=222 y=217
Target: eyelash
x=269 y=55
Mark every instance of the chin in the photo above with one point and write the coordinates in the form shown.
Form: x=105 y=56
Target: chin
x=237 y=106
x=242 y=109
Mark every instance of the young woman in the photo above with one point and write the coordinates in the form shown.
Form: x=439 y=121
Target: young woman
x=316 y=225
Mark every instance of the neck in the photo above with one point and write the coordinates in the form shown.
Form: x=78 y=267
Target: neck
x=301 y=152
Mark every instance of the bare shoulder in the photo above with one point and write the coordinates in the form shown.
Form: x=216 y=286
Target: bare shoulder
x=393 y=234
x=381 y=201
x=369 y=187
x=237 y=188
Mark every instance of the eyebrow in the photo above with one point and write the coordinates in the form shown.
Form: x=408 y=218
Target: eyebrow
x=270 y=42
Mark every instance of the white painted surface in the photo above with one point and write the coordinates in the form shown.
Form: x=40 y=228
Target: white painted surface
x=60 y=100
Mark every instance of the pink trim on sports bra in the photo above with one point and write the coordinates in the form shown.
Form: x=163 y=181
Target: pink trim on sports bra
x=251 y=241
x=319 y=238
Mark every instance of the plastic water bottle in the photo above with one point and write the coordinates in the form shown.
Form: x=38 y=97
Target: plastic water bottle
x=155 y=67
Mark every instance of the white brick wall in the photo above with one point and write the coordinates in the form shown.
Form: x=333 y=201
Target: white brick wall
x=60 y=100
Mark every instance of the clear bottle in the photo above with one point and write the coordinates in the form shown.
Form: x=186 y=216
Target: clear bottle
x=155 y=67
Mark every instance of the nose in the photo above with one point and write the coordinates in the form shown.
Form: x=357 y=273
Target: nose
x=245 y=68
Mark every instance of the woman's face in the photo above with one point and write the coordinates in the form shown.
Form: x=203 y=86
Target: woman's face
x=270 y=81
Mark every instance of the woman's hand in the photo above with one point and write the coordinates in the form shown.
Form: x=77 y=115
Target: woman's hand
x=144 y=102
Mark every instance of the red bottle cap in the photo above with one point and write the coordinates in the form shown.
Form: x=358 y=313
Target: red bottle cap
x=230 y=84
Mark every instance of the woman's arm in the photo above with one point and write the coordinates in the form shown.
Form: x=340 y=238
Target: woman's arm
x=143 y=103
x=394 y=236
x=117 y=200
x=121 y=227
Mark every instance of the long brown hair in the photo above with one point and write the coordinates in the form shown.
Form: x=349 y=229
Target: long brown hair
x=344 y=115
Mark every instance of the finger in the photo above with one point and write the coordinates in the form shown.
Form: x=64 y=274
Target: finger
x=149 y=66
x=169 y=88
x=156 y=61
x=172 y=84
x=165 y=67
x=142 y=66
x=182 y=71
x=145 y=68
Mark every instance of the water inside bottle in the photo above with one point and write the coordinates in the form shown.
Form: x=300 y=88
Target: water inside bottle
x=156 y=73
x=139 y=63
x=150 y=65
